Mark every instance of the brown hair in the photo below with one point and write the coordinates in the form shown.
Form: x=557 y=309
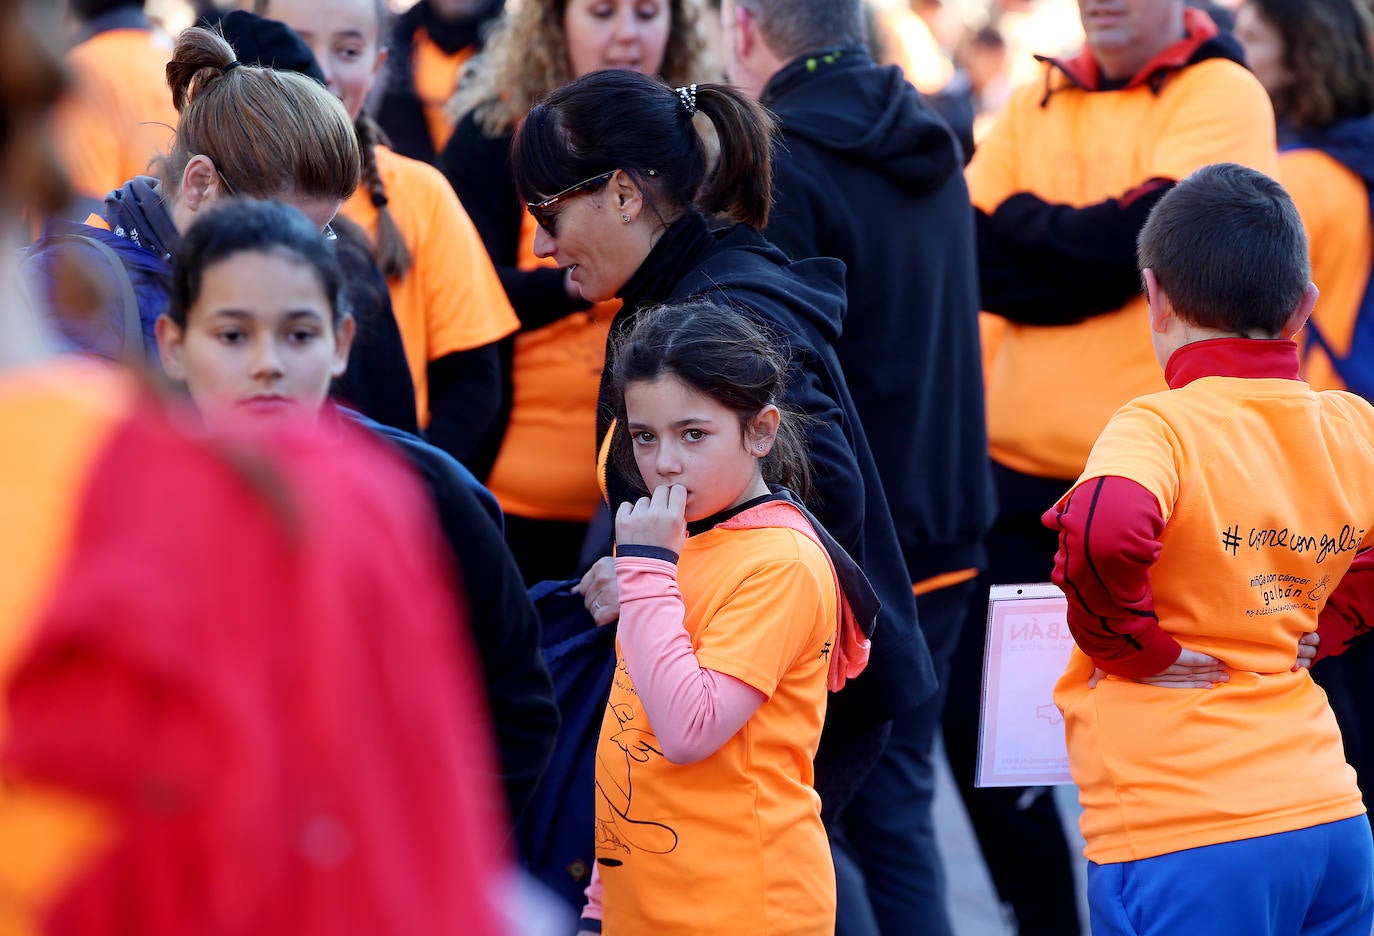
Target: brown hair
x=1326 y=45
x=270 y=133
x=526 y=56
x=616 y=119
x=722 y=354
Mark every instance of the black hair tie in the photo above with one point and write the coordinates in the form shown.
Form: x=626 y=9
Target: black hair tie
x=379 y=200
x=226 y=69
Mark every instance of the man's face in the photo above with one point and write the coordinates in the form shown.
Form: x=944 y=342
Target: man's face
x=1121 y=27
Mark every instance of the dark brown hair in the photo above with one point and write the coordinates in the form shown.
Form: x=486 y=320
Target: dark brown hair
x=1227 y=246
x=618 y=119
x=723 y=354
x=1326 y=45
x=270 y=133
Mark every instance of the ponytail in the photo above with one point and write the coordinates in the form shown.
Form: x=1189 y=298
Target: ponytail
x=390 y=251
x=741 y=186
x=200 y=59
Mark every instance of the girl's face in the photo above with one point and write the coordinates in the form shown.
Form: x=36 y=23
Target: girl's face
x=345 y=36
x=629 y=34
x=591 y=237
x=681 y=436
x=1264 y=49
x=259 y=340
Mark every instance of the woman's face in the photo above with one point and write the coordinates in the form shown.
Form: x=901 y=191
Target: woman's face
x=1264 y=49
x=629 y=34
x=259 y=341
x=345 y=37
x=587 y=234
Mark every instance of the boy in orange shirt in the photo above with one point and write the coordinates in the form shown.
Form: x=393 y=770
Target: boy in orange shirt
x=1212 y=528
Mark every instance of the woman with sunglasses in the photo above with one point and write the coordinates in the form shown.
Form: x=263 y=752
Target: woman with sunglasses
x=241 y=131
x=617 y=176
x=543 y=473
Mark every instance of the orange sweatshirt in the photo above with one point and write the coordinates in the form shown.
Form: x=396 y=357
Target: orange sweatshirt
x=1051 y=389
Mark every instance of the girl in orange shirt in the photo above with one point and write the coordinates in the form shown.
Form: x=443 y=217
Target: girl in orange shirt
x=737 y=611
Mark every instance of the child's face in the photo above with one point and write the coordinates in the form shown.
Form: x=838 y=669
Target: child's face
x=681 y=436
x=629 y=34
x=345 y=37
x=259 y=340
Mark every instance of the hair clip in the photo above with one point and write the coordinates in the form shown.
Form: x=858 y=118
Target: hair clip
x=688 y=96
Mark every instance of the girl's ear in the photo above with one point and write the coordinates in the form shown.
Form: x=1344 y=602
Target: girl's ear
x=170 y=345
x=201 y=185
x=763 y=431
x=344 y=333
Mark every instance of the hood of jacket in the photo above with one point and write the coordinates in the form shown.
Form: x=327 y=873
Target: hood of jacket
x=748 y=263
x=137 y=212
x=839 y=100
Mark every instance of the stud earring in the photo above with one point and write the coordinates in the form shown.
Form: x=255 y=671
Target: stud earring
x=625 y=218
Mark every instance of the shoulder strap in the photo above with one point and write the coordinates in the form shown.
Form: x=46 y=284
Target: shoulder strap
x=133 y=322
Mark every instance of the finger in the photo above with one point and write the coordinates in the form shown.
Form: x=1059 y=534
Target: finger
x=1097 y=676
x=677 y=500
x=1194 y=659
x=1310 y=639
x=588 y=577
x=660 y=500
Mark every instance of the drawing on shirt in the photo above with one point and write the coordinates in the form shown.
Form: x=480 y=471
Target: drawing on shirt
x=615 y=784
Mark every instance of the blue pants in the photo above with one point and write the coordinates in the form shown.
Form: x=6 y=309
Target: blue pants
x=891 y=878
x=1316 y=882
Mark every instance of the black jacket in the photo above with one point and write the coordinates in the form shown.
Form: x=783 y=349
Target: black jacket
x=803 y=303
x=505 y=625
x=399 y=110
x=869 y=174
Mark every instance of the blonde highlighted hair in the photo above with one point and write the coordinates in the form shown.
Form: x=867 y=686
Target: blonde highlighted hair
x=526 y=56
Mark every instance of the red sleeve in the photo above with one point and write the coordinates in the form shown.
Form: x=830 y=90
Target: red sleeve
x=1109 y=531
x=1347 y=612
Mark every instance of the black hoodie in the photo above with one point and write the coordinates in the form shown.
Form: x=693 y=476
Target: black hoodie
x=803 y=303
x=869 y=174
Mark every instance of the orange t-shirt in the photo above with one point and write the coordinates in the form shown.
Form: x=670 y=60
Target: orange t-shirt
x=1334 y=204
x=1052 y=389
x=118 y=114
x=450 y=299
x=55 y=422
x=1264 y=488
x=436 y=78
x=732 y=843
x=546 y=468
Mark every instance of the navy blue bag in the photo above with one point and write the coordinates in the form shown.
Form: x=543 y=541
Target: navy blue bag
x=555 y=836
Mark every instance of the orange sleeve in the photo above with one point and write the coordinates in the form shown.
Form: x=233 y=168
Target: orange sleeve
x=1136 y=445
x=466 y=307
x=1220 y=114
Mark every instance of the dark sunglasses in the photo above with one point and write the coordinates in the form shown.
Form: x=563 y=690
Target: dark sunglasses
x=543 y=212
